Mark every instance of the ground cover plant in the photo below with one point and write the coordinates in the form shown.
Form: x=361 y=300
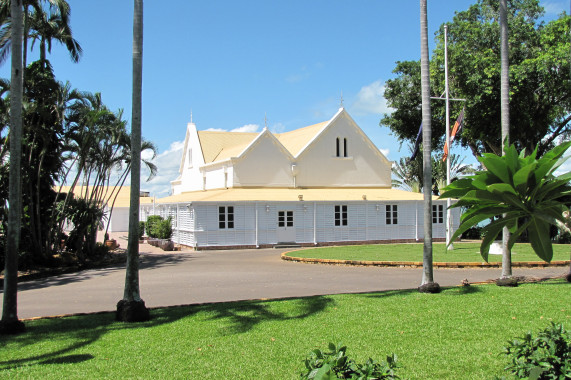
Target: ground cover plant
x=458 y=334
x=463 y=252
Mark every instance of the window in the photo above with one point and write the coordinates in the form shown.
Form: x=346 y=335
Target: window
x=341 y=151
x=437 y=214
x=225 y=217
x=285 y=218
x=189 y=157
x=391 y=214
x=341 y=215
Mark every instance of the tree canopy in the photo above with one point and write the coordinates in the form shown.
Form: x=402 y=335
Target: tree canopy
x=540 y=86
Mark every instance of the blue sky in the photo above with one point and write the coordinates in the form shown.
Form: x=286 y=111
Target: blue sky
x=233 y=62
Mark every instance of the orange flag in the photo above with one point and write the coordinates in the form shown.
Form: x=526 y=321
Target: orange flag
x=455 y=130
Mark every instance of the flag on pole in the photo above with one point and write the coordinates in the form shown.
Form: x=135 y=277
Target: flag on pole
x=455 y=130
x=416 y=144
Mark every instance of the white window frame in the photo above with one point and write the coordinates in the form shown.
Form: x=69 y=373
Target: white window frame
x=391 y=214
x=226 y=220
x=341 y=215
x=437 y=214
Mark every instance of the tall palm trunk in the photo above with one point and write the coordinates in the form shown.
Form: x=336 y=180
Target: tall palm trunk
x=427 y=270
x=10 y=322
x=132 y=308
x=505 y=121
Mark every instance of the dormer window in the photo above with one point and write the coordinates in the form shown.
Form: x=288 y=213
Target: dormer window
x=341 y=147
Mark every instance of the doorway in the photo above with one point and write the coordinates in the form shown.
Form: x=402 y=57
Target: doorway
x=286 y=227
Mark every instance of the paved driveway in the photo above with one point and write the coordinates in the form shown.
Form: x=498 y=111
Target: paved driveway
x=211 y=276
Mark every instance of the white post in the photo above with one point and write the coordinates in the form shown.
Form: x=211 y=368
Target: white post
x=448 y=202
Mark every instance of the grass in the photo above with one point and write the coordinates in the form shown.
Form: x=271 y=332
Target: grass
x=457 y=334
x=463 y=252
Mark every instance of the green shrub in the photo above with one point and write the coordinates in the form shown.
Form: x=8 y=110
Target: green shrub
x=164 y=229
x=547 y=356
x=335 y=364
x=152 y=225
x=564 y=237
x=141 y=230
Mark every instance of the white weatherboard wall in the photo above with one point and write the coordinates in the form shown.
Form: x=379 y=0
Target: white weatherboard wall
x=255 y=223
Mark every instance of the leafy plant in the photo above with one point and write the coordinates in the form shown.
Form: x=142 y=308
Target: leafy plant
x=152 y=225
x=335 y=364
x=164 y=229
x=520 y=192
x=547 y=356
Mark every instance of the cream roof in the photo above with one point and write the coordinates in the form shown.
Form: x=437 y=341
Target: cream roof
x=295 y=141
x=220 y=146
x=123 y=198
x=283 y=194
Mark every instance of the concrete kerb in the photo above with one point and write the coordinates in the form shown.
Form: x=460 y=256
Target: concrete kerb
x=418 y=264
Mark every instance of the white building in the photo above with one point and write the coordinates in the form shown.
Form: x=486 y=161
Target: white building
x=319 y=185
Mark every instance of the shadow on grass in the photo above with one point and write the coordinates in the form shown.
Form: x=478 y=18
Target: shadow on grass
x=453 y=290
x=62 y=337
x=243 y=316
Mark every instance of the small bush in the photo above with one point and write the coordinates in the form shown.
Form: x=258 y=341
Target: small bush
x=335 y=364
x=141 y=230
x=164 y=229
x=547 y=356
x=564 y=237
x=473 y=233
x=152 y=225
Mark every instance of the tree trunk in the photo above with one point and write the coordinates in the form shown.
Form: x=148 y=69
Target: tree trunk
x=132 y=308
x=505 y=121
x=10 y=323
x=427 y=269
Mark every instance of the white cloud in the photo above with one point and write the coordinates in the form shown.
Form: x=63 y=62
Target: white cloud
x=247 y=128
x=168 y=163
x=385 y=152
x=371 y=100
x=278 y=128
x=244 y=128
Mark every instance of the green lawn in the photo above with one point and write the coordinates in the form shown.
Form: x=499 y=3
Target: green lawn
x=463 y=252
x=457 y=334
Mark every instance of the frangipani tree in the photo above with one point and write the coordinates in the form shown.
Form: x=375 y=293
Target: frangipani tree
x=524 y=189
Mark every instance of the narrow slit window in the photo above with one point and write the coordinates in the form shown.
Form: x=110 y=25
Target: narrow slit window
x=341 y=215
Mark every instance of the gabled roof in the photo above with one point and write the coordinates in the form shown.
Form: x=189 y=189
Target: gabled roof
x=220 y=146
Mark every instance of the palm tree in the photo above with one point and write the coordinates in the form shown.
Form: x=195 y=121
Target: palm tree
x=10 y=322
x=408 y=173
x=505 y=120
x=427 y=269
x=39 y=24
x=132 y=308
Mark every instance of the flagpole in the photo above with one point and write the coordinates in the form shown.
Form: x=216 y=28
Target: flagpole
x=448 y=202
